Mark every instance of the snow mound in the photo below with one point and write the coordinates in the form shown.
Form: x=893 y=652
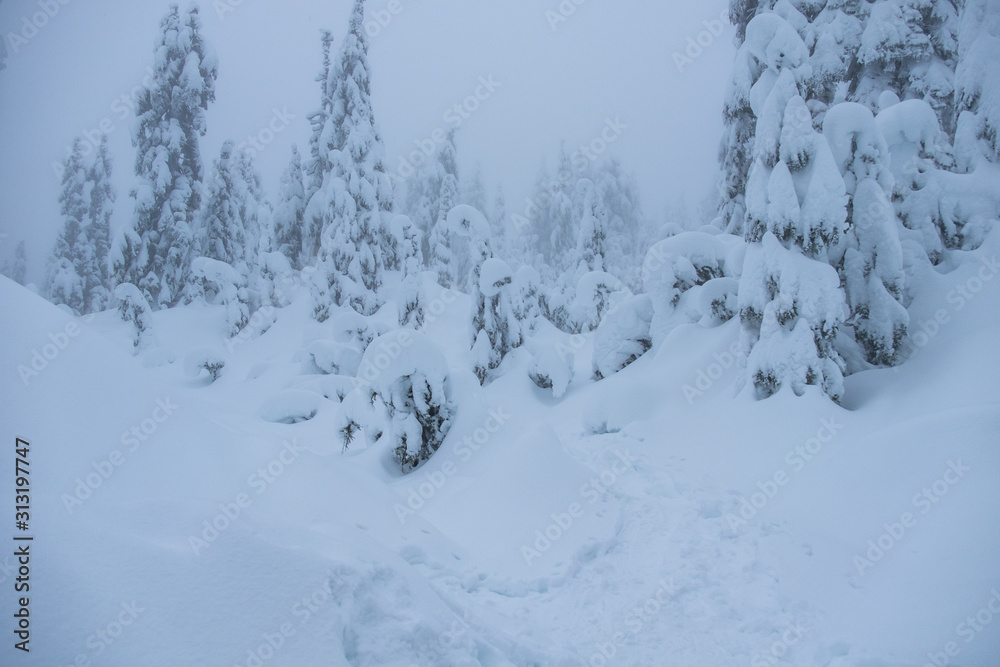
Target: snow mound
x=291 y=407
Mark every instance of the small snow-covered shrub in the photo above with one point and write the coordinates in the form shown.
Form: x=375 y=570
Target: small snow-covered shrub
x=333 y=358
x=230 y=285
x=623 y=336
x=596 y=293
x=552 y=368
x=496 y=323
x=680 y=275
x=134 y=309
x=404 y=398
x=204 y=359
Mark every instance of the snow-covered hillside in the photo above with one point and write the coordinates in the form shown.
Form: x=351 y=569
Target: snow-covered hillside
x=624 y=519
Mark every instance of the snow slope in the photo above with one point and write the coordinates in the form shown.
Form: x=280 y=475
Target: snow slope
x=650 y=518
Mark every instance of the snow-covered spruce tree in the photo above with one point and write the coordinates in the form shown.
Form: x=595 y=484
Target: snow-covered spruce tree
x=97 y=274
x=498 y=328
x=65 y=283
x=592 y=239
x=553 y=215
x=230 y=285
x=355 y=243
x=909 y=47
x=977 y=92
x=626 y=231
x=872 y=269
x=404 y=398
x=474 y=191
x=254 y=209
x=443 y=255
x=170 y=117
x=854 y=51
x=318 y=166
x=790 y=300
x=18 y=270
x=873 y=273
x=289 y=215
x=135 y=310
x=409 y=254
x=223 y=235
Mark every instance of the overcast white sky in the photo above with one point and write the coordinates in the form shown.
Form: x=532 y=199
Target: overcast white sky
x=609 y=59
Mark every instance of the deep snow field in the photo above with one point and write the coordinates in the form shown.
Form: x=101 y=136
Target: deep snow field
x=651 y=518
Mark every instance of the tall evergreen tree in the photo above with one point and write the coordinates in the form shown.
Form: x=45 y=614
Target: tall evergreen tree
x=170 y=117
x=97 y=274
x=357 y=191
x=978 y=87
x=443 y=257
x=289 y=215
x=18 y=270
x=65 y=281
x=223 y=232
x=318 y=167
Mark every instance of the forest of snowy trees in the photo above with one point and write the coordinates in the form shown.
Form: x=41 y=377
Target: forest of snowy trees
x=860 y=151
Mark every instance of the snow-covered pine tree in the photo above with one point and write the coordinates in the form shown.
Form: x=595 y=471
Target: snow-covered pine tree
x=18 y=270
x=65 y=283
x=592 y=242
x=230 y=285
x=155 y=253
x=474 y=191
x=626 y=232
x=356 y=192
x=977 y=92
x=409 y=252
x=318 y=166
x=909 y=47
x=444 y=256
x=561 y=215
x=790 y=300
x=872 y=269
x=135 y=310
x=289 y=215
x=223 y=235
x=873 y=276
x=255 y=210
x=97 y=274
x=496 y=322
x=407 y=404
